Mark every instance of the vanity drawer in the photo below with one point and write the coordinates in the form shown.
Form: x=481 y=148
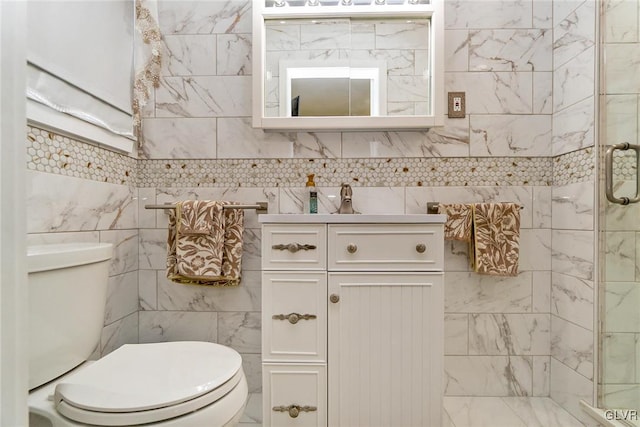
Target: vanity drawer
x=294 y=247
x=294 y=316
x=297 y=386
x=396 y=247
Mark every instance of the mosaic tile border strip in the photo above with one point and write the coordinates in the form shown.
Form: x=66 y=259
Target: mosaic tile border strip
x=392 y=172
x=577 y=166
x=624 y=165
x=62 y=155
x=53 y=153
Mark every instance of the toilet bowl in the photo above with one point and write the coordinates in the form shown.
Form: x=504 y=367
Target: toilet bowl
x=184 y=383
x=161 y=384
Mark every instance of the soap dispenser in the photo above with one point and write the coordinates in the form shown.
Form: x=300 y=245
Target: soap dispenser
x=311 y=196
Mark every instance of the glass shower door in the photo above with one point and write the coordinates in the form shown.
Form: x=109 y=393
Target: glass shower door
x=620 y=286
x=619 y=224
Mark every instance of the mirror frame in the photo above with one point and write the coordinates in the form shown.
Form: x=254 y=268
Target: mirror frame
x=434 y=11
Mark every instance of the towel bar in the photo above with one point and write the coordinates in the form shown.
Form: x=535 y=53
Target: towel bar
x=432 y=207
x=260 y=207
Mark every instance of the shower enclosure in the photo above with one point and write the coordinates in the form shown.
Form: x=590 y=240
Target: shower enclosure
x=619 y=218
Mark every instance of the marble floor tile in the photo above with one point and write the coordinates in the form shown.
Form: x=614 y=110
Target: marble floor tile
x=505 y=411
x=620 y=395
x=470 y=412
x=446 y=420
x=253 y=411
x=541 y=411
x=481 y=412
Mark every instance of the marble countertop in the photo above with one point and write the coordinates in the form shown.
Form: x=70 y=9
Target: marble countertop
x=352 y=219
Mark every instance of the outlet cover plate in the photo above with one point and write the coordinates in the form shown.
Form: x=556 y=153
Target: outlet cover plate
x=456 y=105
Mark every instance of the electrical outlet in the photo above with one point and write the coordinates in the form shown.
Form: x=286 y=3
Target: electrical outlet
x=457 y=107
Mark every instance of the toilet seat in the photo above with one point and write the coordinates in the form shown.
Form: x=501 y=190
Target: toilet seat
x=146 y=383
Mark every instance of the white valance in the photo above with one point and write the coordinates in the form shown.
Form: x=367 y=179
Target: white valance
x=80 y=62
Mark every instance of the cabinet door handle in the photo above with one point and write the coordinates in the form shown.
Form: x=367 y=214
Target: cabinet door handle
x=421 y=247
x=294 y=410
x=334 y=298
x=293 y=318
x=293 y=247
x=352 y=248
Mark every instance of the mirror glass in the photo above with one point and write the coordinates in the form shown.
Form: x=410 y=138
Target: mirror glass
x=332 y=88
x=347 y=97
x=347 y=67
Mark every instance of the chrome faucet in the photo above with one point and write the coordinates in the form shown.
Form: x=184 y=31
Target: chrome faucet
x=346 y=206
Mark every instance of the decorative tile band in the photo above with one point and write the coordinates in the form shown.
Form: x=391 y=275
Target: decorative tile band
x=577 y=166
x=49 y=152
x=53 y=153
x=391 y=172
x=625 y=165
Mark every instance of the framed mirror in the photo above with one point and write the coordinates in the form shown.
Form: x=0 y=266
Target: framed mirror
x=341 y=67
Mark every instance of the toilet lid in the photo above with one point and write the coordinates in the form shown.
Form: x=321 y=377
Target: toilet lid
x=142 y=377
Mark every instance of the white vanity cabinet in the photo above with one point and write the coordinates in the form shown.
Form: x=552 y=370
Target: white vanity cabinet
x=352 y=320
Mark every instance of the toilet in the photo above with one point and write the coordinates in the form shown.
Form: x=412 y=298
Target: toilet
x=185 y=383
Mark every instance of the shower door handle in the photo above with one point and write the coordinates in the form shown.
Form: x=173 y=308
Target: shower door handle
x=608 y=166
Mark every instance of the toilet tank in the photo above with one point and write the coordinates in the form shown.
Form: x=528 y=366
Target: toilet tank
x=67 y=297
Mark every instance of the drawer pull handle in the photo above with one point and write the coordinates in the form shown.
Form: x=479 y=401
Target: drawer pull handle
x=352 y=248
x=421 y=247
x=293 y=247
x=294 y=410
x=334 y=298
x=294 y=318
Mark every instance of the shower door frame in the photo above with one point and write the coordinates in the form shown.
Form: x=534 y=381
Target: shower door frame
x=604 y=208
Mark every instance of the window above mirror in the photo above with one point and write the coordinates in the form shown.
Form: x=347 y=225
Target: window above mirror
x=348 y=64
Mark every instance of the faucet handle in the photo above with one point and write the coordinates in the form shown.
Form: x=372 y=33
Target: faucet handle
x=346 y=191
x=345 y=201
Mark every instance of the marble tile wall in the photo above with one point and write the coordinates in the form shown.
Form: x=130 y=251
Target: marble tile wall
x=573 y=240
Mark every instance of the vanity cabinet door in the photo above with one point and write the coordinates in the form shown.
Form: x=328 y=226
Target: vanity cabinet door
x=385 y=349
